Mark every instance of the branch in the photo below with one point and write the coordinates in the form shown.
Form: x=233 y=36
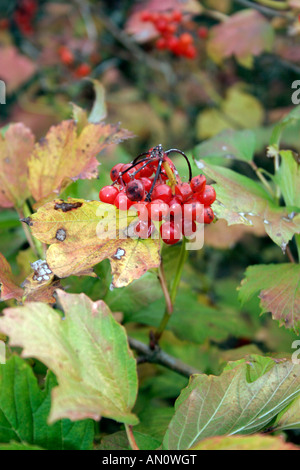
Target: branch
x=262 y=9
x=160 y=357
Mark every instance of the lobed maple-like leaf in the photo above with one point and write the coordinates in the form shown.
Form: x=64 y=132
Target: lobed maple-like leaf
x=256 y=442
x=242 y=400
x=244 y=35
x=279 y=290
x=84 y=233
x=24 y=409
x=9 y=289
x=16 y=147
x=88 y=352
x=65 y=155
x=239 y=198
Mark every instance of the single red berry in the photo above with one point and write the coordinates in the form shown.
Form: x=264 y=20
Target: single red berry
x=147 y=182
x=108 y=194
x=190 y=52
x=146 y=172
x=175 y=208
x=203 y=32
x=186 y=39
x=140 y=208
x=184 y=190
x=188 y=228
x=208 y=196
x=126 y=177
x=172 y=43
x=208 y=215
x=162 y=192
x=177 y=16
x=135 y=190
x=115 y=171
x=144 y=229
x=198 y=183
x=66 y=56
x=171 y=233
x=161 y=44
x=158 y=210
x=122 y=202
x=193 y=211
x=161 y=25
x=83 y=70
x=170 y=29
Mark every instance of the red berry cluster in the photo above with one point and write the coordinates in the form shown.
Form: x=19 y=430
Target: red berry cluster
x=67 y=57
x=24 y=15
x=167 y=25
x=151 y=184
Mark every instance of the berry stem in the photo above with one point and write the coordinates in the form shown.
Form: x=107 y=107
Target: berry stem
x=170 y=175
x=131 y=438
x=148 y=198
x=35 y=244
x=173 y=293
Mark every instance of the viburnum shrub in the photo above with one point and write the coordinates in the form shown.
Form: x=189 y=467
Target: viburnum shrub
x=151 y=184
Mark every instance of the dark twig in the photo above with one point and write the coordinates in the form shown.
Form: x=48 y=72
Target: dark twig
x=262 y=9
x=160 y=357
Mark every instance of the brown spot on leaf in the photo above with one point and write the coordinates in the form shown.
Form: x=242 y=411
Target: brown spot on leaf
x=27 y=221
x=66 y=206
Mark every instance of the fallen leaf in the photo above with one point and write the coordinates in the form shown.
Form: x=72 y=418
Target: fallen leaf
x=16 y=147
x=88 y=352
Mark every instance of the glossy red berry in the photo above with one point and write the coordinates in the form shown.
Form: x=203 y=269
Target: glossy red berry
x=163 y=192
x=147 y=182
x=190 y=52
x=158 y=210
x=175 y=208
x=184 y=190
x=170 y=233
x=122 y=202
x=83 y=70
x=198 y=183
x=108 y=194
x=161 y=44
x=208 y=215
x=146 y=171
x=144 y=229
x=135 y=190
x=177 y=16
x=126 y=177
x=115 y=171
x=208 y=196
x=146 y=16
x=189 y=228
x=140 y=208
x=193 y=211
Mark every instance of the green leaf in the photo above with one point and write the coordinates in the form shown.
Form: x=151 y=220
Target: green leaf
x=257 y=442
x=242 y=400
x=119 y=441
x=24 y=409
x=288 y=120
x=239 y=198
x=289 y=179
x=289 y=418
x=279 y=290
x=17 y=446
x=99 y=111
x=230 y=144
x=88 y=352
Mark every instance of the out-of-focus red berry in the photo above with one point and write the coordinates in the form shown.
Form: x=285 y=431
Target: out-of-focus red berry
x=83 y=70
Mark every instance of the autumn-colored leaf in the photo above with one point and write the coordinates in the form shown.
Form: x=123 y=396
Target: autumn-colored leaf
x=41 y=284
x=256 y=442
x=63 y=156
x=16 y=69
x=88 y=352
x=82 y=234
x=279 y=290
x=239 y=197
x=9 y=289
x=15 y=149
x=242 y=400
x=244 y=35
